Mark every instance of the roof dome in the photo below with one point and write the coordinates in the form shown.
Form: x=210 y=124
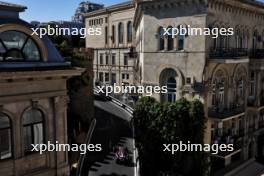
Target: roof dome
x=20 y=49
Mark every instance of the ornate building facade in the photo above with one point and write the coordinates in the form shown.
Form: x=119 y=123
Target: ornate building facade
x=33 y=98
x=112 y=63
x=225 y=73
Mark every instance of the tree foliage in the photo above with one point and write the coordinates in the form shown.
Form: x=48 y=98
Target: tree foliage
x=157 y=124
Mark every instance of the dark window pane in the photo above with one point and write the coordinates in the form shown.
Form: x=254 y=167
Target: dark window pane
x=4 y=121
x=17 y=46
x=33 y=129
x=5 y=144
x=32 y=116
x=31 y=51
x=28 y=138
x=5 y=137
x=13 y=39
x=14 y=55
x=2 y=51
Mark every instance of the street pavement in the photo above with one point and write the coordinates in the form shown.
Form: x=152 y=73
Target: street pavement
x=113 y=129
x=252 y=169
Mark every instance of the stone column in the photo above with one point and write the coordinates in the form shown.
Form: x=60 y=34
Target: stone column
x=60 y=133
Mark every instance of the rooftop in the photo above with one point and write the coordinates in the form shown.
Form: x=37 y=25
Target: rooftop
x=11 y=6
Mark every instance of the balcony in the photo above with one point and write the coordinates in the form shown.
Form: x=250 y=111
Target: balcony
x=252 y=102
x=222 y=53
x=228 y=139
x=224 y=113
x=257 y=54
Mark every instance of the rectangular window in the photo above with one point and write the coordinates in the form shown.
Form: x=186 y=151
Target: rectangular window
x=106 y=77
x=113 y=59
x=125 y=60
x=106 y=35
x=106 y=60
x=113 y=77
x=127 y=76
x=123 y=76
x=101 y=77
x=101 y=59
x=188 y=80
x=252 y=84
x=113 y=34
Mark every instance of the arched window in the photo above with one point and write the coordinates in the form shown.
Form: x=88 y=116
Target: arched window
x=254 y=42
x=120 y=33
x=106 y=35
x=17 y=46
x=170 y=39
x=241 y=88
x=5 y=137
x=221 y=41
x=181 y=40
x=33 y=128
x=171 y=87
x=215 y=41
x=129 y=32
x=113 y=34
x=161 y=38
x=218 y=93
x=245 y=39
x=237 y=38
x=262 y=39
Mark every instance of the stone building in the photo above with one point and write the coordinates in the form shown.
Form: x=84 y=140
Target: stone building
x=112 y=63
x=225 y=73
x=33 y=98
x=85 y=7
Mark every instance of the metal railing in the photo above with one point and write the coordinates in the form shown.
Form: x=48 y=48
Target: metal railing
x=87 y=141
x=216 y=112
x=257 y=54
x=218 y=53
x=117 y=102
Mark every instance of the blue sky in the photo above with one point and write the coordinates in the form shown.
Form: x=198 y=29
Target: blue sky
x=53 y=10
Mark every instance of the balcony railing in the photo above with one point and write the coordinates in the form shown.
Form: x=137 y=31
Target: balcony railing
x=222 y=113
x=254 y=103
x=257 y=54
x=228 y=139
x=222 y=53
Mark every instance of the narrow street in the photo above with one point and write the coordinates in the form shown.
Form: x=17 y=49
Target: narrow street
x=112 y=130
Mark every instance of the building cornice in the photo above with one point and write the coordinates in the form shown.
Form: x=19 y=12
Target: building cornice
x=110 y=9
x=11 y=76
x=245 y=5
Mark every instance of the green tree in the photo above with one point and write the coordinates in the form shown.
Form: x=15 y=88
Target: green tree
x=157 y=124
